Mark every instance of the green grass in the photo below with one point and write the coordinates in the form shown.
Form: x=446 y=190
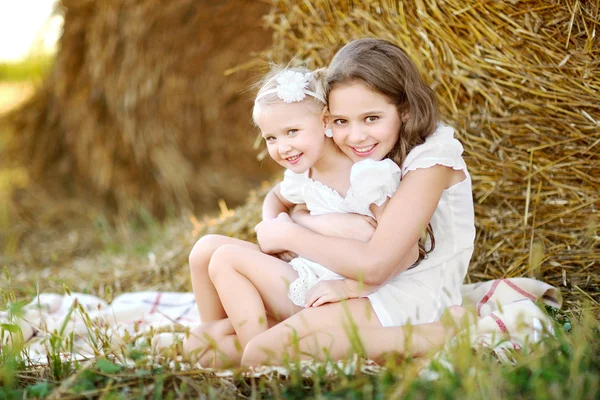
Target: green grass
x=32 y=68
x=561 y=367
x=134 y=236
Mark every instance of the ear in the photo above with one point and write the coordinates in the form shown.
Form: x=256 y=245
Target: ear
x=325 y=117
x=405 y=115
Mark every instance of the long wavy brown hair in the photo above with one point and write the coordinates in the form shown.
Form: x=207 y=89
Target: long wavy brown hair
x=387 y=69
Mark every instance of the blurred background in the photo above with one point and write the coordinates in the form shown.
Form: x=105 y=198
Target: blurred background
x=125 y=129
x=30 y=31
x=118 y=114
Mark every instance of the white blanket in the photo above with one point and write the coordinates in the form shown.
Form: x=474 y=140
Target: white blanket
x=505 y=309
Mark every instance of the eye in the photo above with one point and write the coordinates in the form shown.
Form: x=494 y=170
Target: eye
x=371 y=118
x=291 y=132
x=340 y=121
x=270 y=139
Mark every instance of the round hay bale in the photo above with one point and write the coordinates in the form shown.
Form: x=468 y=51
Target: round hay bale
x=138 y=110
x=519 y=81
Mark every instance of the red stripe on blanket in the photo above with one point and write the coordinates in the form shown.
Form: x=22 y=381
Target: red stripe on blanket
x=552 y=300
x=489 y=294
x=516 y=346
x=156 y=303
x=519 y=290
x=500 y=324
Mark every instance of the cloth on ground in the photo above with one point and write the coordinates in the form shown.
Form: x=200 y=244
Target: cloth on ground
x=506 y=316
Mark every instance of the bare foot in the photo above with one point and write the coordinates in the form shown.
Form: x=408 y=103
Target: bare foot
x=458 y=313
x=428 y=338
x=199 y=340
x=212 y=344
x=454 y=320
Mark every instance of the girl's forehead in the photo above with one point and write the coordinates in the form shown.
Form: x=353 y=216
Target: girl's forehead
x=296 y=109
x=279 y=107
x=355 y=95
x=280 y=113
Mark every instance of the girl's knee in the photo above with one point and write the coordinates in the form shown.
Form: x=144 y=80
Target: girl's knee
x=256 y=352
x=269 y=347
x=223 y=261
x=203 y=250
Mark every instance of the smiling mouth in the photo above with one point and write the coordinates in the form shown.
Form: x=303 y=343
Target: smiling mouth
x=294 y=159
x=364 y=151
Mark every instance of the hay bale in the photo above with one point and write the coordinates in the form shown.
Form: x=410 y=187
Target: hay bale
x=138 y=111
x=519 y=82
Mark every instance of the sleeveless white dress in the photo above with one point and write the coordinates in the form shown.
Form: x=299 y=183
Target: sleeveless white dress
x=421 y=294
x=371 y=182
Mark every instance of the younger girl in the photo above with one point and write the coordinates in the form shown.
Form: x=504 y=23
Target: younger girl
x=381 y=108
x=290 y=111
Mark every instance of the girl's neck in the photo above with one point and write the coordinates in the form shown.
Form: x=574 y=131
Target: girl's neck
x=333 y=159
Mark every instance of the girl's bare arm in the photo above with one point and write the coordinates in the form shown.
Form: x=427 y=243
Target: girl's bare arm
x=342 y=225
x=348 y=226
x=274 y=204
x=400 y=226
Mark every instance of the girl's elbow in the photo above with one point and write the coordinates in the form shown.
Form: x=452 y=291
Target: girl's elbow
x=375 y=275
x=375 y=280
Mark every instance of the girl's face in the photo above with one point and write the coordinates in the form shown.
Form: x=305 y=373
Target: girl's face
x=294 y=133
x=365 y=123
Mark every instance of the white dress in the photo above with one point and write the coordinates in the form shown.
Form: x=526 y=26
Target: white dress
x=371 y=182
x=420 y=295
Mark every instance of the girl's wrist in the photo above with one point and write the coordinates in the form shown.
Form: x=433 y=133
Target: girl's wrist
x=289 y=235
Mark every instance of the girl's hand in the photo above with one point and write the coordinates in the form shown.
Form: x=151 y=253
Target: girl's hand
x=271 y=233
x=286 y=256
x=330 y=291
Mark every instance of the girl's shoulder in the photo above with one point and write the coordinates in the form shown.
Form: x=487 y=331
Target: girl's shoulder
x=372 y=182
x=440 y=148
x=292 y=186
x=373 y=168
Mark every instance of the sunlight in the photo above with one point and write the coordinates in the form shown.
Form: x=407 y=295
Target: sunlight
x=27 y=27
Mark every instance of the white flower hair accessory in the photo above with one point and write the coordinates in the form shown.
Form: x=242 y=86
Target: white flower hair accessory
x=292 y=87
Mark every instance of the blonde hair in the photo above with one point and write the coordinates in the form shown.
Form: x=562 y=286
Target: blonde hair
x=267 y=94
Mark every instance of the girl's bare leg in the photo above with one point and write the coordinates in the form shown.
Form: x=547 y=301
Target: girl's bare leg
x=251 y=285
x=228 y=354
x=308 y=335
x=378 y=342
x=205 y=337
x=207 y=298
x=273 y=346
x=215 y=345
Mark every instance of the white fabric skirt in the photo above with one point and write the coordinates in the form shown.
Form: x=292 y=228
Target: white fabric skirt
x=421 y=295
x=309 y=274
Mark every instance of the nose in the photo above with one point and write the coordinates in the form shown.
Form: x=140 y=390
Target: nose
x=284 y=147
x=357 y=134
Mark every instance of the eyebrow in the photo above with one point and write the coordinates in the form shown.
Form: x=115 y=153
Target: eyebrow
x=287 y=128
x=334 y=116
